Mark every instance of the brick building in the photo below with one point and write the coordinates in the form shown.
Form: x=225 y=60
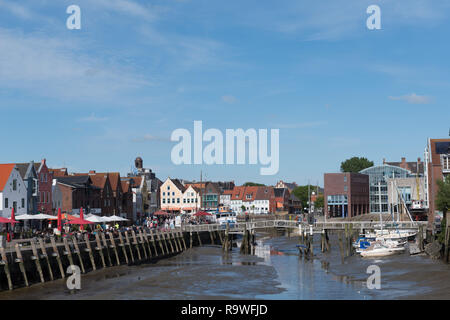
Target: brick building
x=45 y=178
x=437 y=159
x=346 y=194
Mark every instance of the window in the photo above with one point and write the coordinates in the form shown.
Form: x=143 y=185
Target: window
x=164 y=193
x=15 y=184
x=345 y=188
x=23 y=203
x=164 y=200
x=345 y=178
x=178 y=200
x=6 y=203
x=168 y=187
x=173 y=193
x=184 y=200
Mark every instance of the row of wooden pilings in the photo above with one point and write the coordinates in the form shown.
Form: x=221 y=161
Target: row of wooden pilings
x=44 y=262
x=346 y=238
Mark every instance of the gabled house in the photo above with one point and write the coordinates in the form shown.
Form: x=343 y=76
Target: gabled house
x=138 y=188
x=253 y=200
x=45 y=178
x=127 y=199
x=13 y=191
x=30 y=178
x=74 y=192
x=191 y=200
x=171 y=192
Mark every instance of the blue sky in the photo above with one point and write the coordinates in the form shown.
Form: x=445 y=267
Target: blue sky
x=98 y=97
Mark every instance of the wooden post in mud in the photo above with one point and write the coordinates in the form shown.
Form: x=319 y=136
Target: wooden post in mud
x=211 y=236
x=322 y=241
x=6 y=268
x=327 y=241
x=311 y=241
x=199 y=239
x=21 y=263
x=226 y=241
x=190 y=239
x=67 y=252
x=159 y=239
x=153 y=242
x=127 y=239
x=178 y=240
x=78 y=252
x=89 y=250
x=341 y=245
x=56 y=255
x=113 y=246
x=171 y=235
x=45 y=255
x=167 y=239
x=124 y=250
x=100 y=249
x=106 y=247
x=164 y=241
x=447 y=237
x=136 y=245
x=148 y=243
x=182 y=239
x=220 y=236
x=141 y=241
x=36 y=259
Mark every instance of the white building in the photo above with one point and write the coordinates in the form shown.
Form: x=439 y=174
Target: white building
x=13 y=191
x=190 y=200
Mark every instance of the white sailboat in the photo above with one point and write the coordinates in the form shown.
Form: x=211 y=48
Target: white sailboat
x=380 y=249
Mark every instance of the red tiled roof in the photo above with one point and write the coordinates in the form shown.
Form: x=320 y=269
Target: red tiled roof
x=5 y=172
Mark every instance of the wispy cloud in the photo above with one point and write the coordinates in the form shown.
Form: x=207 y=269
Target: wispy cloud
x=56 y=67
x=413 y=99
x=150 y=137
x=229 y=99
x=93 y=118
x=301 y=125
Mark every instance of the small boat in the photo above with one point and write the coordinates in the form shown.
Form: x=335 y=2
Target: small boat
x=380 y=249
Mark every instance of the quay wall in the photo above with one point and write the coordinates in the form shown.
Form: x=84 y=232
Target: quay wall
x=37 y=261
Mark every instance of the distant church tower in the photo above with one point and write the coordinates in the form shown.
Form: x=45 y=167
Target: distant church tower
x=139 y=163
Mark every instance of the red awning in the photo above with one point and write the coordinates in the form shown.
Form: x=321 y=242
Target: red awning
x=79 y=221
x=202 y=213
x=161 y=213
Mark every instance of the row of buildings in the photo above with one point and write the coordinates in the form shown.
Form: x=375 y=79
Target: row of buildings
x=31 y=188
x=392 y=187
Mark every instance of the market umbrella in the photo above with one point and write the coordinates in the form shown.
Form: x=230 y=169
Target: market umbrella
x=202 y=214
x=82 y=218
x=79 y=221
x=4 y=220
x=25 y=217
x=12 y=219
x=42 y=216
x=59 y=220
x=117 y=218
x=94 y=218
x=161 y=213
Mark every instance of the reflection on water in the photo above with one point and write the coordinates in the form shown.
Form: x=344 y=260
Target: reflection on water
x=275 y=271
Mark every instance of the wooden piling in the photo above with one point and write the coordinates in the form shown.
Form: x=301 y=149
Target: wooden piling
x=127 y=239
x=6 y=268
x=141 y=242
x=45 y=255
x=21 y=263
x=122 y=245
x=113 y=246
x=153 y=242
x=159 y=239
x=106 y=248
x=148 y=243
x=37 y=259
x=219 y=232
x=78 y=252
x=67 y=252
x=190 y=240
x=136 y=245
x=182 y=239
x=199 y=239
x=167 y=239
x=211 y=237
x=89 y=250
x=100 y=249
x=58 y=258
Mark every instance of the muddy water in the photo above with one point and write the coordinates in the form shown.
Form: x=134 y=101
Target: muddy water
x=275 y=272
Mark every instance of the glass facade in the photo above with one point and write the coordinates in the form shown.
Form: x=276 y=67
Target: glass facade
x=378 y=191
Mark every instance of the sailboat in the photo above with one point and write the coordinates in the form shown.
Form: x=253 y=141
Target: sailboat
x=380 y=249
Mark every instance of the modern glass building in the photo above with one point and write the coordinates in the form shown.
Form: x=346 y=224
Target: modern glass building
x=378 y=188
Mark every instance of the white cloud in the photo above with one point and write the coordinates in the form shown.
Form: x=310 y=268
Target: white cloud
x=229 y=99
x=93 y=118
x=412 y=98
x=55 y=67
x=16 y=9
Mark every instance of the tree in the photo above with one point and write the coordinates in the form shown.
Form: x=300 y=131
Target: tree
x=301 y=192
x=253 y=184
x=318 y=204
x=443 y=196
x=355 y=164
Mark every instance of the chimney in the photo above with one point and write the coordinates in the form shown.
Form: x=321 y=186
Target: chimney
x=43 y=161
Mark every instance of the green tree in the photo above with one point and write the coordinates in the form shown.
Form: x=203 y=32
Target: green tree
x=318 y=204
x=301 y=192
x=253 y=184
x=443 y=196
x=355 y=164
